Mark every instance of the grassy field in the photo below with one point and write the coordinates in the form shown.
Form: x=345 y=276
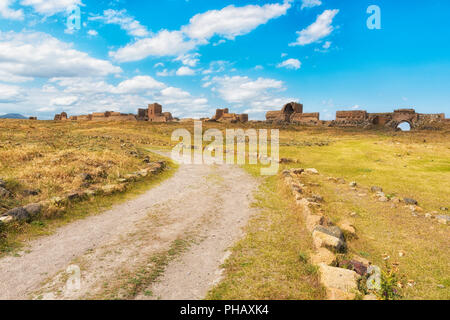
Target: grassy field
x=405 y=164
x=271 y=262
x=42 y=160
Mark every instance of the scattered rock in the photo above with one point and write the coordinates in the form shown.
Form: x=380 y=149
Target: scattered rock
x=312 y=171
x=444 y=209
x=343 y=280
x=429 y=216
x=410 y=201
x=285 y=161
x=19 y=214
x=353 y=214
x=362 y=260
x=33 y=209
x=86 y=177
x=401 y=253
x=329 y=237
x=359 y=267
x=312 y=221
x=298 y=171
x=383 y=199
x=316 y=198
x=6 y=219
x=348 y=228
x=74 y=196
x=29 y=193
x=323 y=255
x=109 y=189
x=353 y=184
x=443 y=219
x=286 y=173
x=4 y=193
x=376 y=189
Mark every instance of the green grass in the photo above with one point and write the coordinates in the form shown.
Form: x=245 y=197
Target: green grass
x=271 y=262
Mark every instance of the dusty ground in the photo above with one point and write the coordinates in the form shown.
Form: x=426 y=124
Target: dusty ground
x=123 y=253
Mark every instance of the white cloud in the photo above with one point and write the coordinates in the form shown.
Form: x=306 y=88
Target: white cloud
x=164 y=43
x=126 y=22
x=327 y=45
x=93 y=33
x=39 y=55
x=290 y=64
x=232 y=21
x=165 y=73
x=81 y=86
x=64 y=101
x=321 y=28
x=185 y=71
x=50 y=7
x=8 y=13
x=238 y=89
x=10 y=93
x=229 y=23
x=310 y=3
x=139 y=84
x=189 y=60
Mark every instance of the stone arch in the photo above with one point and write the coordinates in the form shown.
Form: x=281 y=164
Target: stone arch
x=399 y=123
x=376 y=121
x=288 y=109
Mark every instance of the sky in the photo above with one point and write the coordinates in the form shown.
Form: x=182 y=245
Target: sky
x=194 y=56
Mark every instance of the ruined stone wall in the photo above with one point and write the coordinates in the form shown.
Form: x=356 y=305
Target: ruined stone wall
x=305 y=118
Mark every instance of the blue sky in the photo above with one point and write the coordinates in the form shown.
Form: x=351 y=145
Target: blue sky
x=194 y=56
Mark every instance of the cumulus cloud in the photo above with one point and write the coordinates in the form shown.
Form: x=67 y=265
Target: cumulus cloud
x=228 y=23
x=39 y=55
x=185 y=71
x=164 y=43
x=10 y=93
x=93 y=33
x=321 y=28
x=7 y=13
x=139 y=84
x=232 y=21
x=126 y=22
x=50 y=7
x=189 y=60
x=64 y=101
x=310 y=3
x=290 y=64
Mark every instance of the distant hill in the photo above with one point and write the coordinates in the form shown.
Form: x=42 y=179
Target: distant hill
x=13 y=116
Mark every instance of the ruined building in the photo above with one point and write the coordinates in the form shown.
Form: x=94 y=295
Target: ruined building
x=154 y=113
x=293 y=113
x=224 y=115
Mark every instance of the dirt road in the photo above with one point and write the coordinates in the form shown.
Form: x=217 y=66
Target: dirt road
x=168 y=243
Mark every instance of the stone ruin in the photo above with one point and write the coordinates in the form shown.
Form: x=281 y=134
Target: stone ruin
x=293 y=113
x=153 y=114
x=224 y=115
